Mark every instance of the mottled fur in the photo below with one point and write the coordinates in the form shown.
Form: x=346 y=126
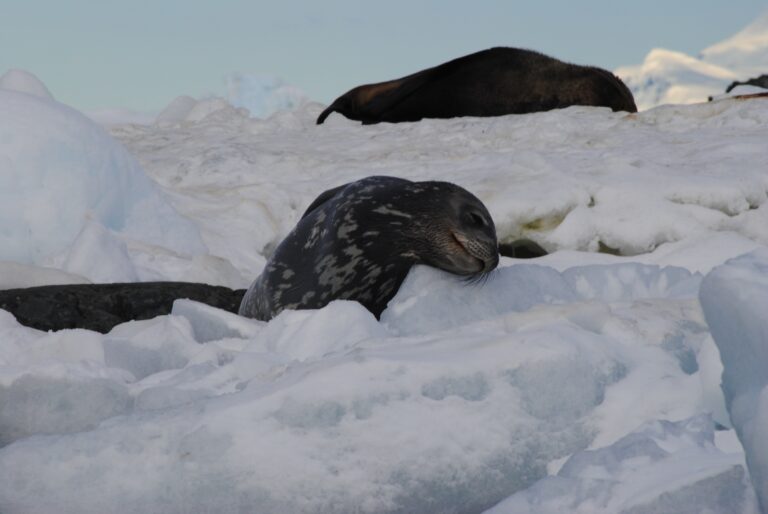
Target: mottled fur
x=358 y=242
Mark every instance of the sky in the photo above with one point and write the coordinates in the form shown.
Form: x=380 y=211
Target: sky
x=142 y=54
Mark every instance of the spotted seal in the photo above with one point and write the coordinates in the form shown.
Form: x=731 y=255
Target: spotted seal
x=359 y=240
x=491 y=82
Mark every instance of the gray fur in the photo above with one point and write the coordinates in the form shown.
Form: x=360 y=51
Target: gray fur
x=358 y=242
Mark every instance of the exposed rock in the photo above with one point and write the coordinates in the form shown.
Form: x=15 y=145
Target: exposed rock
x=100 y=307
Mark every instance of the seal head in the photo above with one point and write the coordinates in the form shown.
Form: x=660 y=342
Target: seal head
x=358 y=242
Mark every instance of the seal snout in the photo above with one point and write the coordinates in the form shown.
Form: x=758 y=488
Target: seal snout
x=481 y=253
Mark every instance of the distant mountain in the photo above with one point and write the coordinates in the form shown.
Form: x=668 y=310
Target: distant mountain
x=666 y=76
x=746 y=53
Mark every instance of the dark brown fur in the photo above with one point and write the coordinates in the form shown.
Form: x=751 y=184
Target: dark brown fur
x=492 y=82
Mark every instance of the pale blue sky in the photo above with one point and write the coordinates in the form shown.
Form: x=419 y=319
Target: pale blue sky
x=141 y=54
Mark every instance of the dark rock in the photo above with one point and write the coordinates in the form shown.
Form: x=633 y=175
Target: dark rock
x=100 y=307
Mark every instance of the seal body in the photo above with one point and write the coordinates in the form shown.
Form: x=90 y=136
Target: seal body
x=491 y=82
x=358 y=242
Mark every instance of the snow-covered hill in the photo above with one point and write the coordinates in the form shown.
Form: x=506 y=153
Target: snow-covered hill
x=745 y=53
x=669 y=77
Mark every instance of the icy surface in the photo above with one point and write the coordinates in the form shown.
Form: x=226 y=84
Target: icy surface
x=15 y=275
x=531 y=386
x=309 y=414
x=119 y=116
x=576 y=179
x=24 y=82
x=262 y=95
x=661 y=468
x=61 y=173
x=735 y=301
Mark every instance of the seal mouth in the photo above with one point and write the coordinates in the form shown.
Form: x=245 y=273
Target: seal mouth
x=481 y=265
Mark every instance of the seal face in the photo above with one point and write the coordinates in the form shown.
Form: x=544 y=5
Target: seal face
x=358 y=242
x=491 y=82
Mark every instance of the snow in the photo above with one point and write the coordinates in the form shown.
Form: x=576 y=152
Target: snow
x=745 y=52
x=735 y=299
x=262 y=95
x=671 y=77
x=61 y=176
x=660 y=467
x=250 y=94
x=585 y=381
x=24 y=82
x=118 y=116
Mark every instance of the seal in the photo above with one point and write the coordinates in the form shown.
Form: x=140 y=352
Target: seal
x=359 y=240
x=491 y=82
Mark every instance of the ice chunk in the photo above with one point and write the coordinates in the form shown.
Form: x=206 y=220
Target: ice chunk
x=57 y=168
x=177 y=110
x=631 y=281
x=661 y=468
x=150 y=346
x=262 y=95
x=211 y=324
x=100 y=255
x=59 y=398
x=308 y=334
x=431 y=299
x=204 y=108
x=735 y=301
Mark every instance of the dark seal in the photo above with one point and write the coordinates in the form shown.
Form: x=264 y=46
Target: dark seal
x=492 y=82
x=761 y=81
x=358 y=242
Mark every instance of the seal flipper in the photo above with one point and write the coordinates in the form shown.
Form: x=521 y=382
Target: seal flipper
x=368 y=103
x=387 y=95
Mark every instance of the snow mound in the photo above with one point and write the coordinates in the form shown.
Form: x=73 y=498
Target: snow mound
x=649 y=471
x=24 y=82
x=258 y=95
x=735 y=300
x=177 y=110
x=58 y=170
x=211 y=324
x=262 y=95
x=430 y=299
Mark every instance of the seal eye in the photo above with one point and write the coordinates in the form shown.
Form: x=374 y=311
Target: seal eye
x=476 y=219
